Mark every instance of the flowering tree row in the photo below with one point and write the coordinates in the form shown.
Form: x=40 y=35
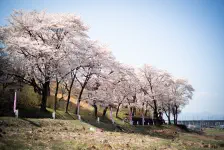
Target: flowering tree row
x=43 y=48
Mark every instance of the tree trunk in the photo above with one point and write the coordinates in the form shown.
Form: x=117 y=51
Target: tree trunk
x=134 y=111
x=78 y=102
x=95 y=110
x=130 y=114
x=168 y=116
x=174 y=119
x=169 y=121
x=56 y=95
x=146 y=111
x=174 y=116
x=167 y=113
x=105 y=111
x=69 y=94
x=176 y=108
x=118 y=107
x=45 y=93
x=80 y=94
x=155 y=110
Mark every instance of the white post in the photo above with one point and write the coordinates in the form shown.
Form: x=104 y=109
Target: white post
x=143 y=119
x=137 y=123
x=148 y=123
x=53 y=115
x=79 y=117
x=98 y=119
x=17 y=113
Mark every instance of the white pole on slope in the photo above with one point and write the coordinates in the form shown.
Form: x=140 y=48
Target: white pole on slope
x=143 y=119
x=98 y=119
x=79 y=117
x=53 y=115
x=16 y=111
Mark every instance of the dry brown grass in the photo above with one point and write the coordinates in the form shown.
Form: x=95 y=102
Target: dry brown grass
x=73 y=134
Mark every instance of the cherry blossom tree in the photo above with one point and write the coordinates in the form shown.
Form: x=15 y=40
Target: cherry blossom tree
x=153 y=81
x=165 y=99
x=122 y=78
x=39 y=40
x=182 y=92
x=97 y=59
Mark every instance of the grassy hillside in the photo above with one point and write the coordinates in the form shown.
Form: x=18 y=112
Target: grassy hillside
x=56 y=134
x=36 y=130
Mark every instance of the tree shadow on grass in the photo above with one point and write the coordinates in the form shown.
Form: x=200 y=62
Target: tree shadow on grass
x=87 y=116
x=32 y=122
x=105 y=124
x=69 y=115
x=34 y=112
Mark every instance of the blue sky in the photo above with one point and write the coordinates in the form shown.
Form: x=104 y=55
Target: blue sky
x=182 y=37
